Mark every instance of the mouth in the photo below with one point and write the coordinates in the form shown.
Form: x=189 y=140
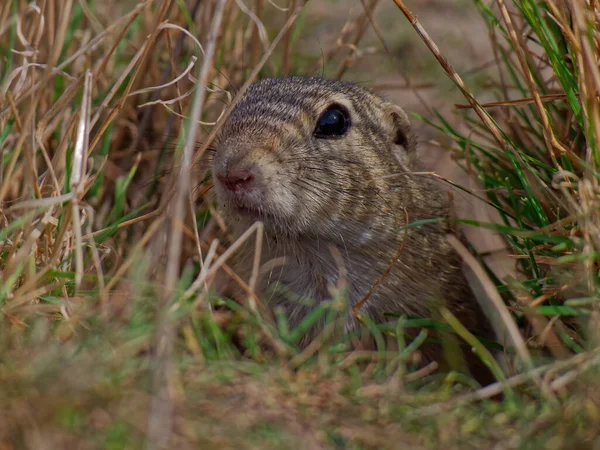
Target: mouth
x=244 y=214
x=248 y=211
x=240 y=206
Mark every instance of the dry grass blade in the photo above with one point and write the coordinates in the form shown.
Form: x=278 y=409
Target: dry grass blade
x=356 y=308
x=159 y=424
x=520 y=102
x=452 y=73
x=586 y=360
x=361 y=28
x=78 y=172
x=551 y=141
x=187 y=156
x=491 y=301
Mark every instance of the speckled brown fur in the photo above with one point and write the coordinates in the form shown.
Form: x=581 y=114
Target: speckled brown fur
x=354 y=193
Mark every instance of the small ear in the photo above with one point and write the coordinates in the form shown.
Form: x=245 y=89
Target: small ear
x=399 y=126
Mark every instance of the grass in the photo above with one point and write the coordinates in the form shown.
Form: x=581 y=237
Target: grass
x=110 y=338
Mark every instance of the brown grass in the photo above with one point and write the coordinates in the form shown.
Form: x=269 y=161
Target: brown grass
x=110 y=335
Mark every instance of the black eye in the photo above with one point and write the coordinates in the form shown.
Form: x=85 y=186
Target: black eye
x=334 y=122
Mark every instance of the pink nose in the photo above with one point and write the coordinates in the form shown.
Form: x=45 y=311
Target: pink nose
x=237 y=179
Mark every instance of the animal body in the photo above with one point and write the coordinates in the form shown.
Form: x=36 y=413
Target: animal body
x=331 y=170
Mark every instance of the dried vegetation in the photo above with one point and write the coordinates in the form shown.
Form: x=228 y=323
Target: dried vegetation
x=110 y=338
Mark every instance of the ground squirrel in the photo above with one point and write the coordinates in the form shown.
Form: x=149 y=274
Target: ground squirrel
x=327 y=163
